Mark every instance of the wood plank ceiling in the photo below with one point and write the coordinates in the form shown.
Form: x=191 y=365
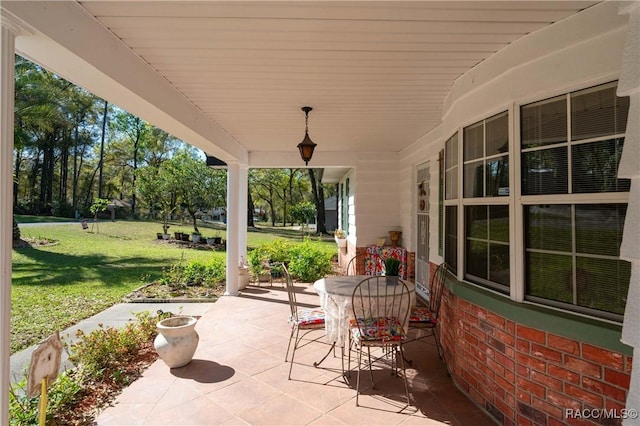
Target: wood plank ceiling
x=376 y=73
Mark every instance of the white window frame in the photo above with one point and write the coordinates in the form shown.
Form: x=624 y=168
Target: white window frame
x=516 y=202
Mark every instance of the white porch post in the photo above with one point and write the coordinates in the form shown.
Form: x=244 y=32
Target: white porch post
x=233 y=218
x=7 y=61
x=629 y=85
x=243 y=182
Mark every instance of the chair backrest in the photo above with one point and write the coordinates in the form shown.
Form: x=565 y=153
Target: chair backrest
x=373 y=260
x=291 y=293
x=436 y=288
x=374 y=298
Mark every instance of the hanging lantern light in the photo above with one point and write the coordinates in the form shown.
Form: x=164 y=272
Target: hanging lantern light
x=307 y=146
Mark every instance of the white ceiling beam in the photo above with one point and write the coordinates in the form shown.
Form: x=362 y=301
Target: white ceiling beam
x=80 y=50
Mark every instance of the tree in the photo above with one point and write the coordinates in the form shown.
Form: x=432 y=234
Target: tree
x=135 y=131
x=99 y=205
x=157 y=187
x=197 y=186
x=303 y=213
x=318 y=197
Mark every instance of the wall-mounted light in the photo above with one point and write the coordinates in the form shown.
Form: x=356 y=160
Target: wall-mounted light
x=307 y=146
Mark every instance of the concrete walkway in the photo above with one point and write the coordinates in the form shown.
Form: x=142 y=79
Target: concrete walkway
x=115 y=316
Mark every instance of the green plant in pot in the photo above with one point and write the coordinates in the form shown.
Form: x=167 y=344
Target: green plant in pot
x=392 y=270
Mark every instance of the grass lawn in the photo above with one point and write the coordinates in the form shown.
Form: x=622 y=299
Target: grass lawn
x=54 y=287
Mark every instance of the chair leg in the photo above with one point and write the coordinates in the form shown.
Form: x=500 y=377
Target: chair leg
x=370 y=367
x=358 y=379
x=349 y=359
x=436 y=337
x=404 y=373
x=289 y=345
x=293 y=354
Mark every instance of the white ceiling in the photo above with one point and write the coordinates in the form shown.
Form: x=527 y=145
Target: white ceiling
x=375 y=73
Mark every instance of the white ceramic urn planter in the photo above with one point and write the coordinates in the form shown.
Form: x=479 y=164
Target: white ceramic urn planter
x=177 y=340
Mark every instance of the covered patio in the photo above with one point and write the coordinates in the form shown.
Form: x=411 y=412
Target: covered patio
x=238 y=376
x=435 y=119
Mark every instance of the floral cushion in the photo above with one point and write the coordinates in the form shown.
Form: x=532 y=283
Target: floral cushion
x=382 y=328
x=422 y=314
x=309 y=317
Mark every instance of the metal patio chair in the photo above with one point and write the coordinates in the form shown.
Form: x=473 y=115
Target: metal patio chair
x=380 y=312
x=424 y=319
x=305 y=319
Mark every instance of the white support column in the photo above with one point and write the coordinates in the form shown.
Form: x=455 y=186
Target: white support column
x=629 y=85
x=243 y=183
x=7 y=62
x=234 y=215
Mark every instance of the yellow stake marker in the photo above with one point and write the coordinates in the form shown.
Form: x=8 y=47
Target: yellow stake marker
x=43 y=402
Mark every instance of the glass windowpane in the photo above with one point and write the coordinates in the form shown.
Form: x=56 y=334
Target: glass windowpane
x=595 y=167
x=549 y=276
x=451 y=239
x=545 y=172
x=499 y=263
x=451 y=151
x=598 y=112
x=474 y=179
x=548 y=227
x=476 y=258
x=602 y=284
x=499 y=223
x=451 y=184
x=498 y=177
x=476 y=222
x=497 y=134
x=473 y=142
x=544 y=123
x=599 y=228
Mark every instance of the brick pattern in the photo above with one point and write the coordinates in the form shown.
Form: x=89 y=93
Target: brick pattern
x=526 y=376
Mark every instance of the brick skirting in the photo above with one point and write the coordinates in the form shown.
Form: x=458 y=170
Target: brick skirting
x=527 y=376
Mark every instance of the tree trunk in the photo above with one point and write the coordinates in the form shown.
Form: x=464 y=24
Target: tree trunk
x=318 y=198
x=64 y=175
x=74 y=183
x=135 y=167
x=250 y=210
x=16 y=230
x=101 y=161
x=17 y=168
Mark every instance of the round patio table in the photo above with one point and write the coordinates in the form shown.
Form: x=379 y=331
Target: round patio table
x=336 y=300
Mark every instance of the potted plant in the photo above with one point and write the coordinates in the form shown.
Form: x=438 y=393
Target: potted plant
x=243 y=274
x=217 y=239
x=195 y=237
x=341 y=238
x=177 y=340
x=392 y=270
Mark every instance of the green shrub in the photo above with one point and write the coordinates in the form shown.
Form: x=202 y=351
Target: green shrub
x=24 y=411
x=307 y=261
x=207 y=273
x=276 y=251
x=195 y=272
x=103 y=352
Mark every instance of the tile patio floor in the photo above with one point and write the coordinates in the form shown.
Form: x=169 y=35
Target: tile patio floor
x=238 y=376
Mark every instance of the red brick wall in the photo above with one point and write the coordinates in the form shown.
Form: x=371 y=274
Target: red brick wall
x=527 y=376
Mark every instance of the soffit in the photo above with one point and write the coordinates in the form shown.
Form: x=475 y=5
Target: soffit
x=376 y=73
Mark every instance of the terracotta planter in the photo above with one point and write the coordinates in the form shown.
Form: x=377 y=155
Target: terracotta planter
x=394 y=237
x=177 y=340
